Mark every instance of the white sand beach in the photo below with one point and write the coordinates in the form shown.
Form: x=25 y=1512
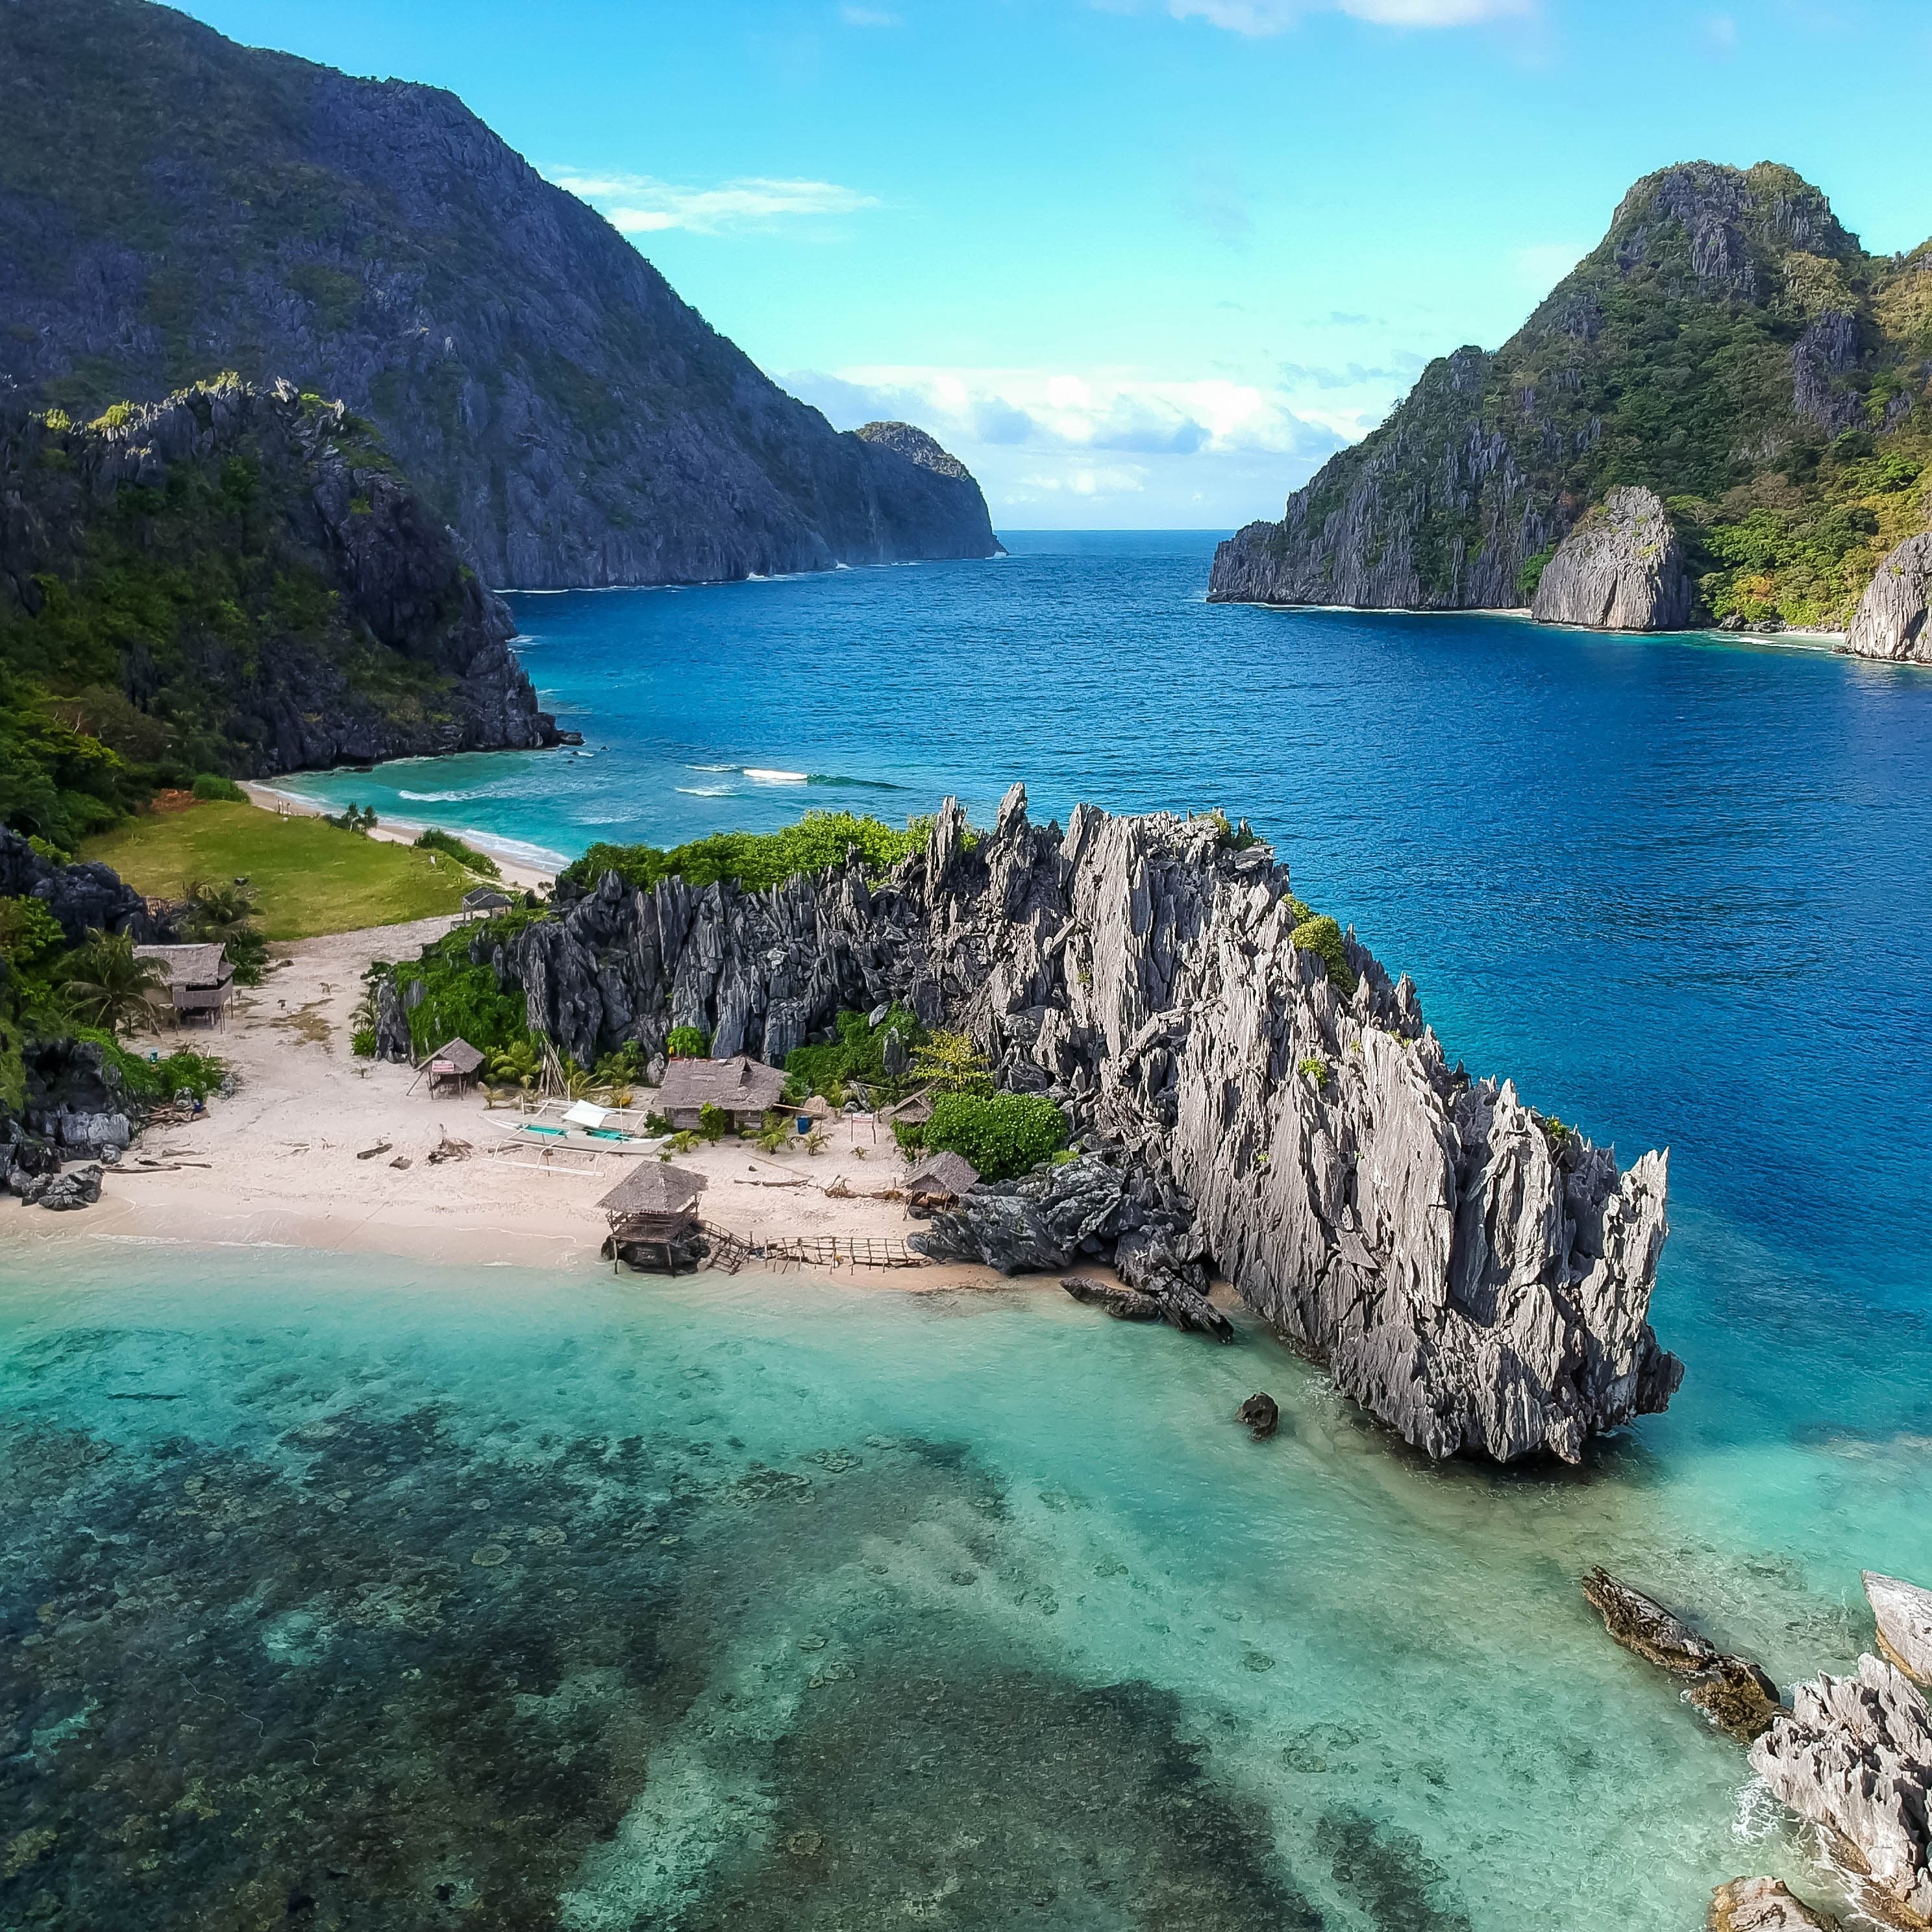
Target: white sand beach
x=281 y=1163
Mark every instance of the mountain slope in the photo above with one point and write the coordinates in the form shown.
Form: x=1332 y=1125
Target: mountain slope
x=172 y=203
x=234 y=581
x=1728 y=345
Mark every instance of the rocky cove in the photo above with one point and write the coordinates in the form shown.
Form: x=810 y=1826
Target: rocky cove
x=1475 y=1273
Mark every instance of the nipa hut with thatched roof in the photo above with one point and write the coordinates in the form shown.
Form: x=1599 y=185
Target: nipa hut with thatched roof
x=742 y=1087
x=200 y=979
x=939 y=1181
x=456 y=1064
x=653 y=1216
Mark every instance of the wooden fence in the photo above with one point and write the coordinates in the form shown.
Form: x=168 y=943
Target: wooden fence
x=841 y=1251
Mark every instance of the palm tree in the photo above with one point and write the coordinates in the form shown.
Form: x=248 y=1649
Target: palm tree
x=224 y=915
x=105 y=985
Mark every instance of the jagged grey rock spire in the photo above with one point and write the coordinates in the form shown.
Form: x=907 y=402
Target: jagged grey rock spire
x=1476 y=1276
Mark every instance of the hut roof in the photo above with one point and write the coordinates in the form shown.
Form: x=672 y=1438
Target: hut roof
x=912 y=1110
x=478 y=897
x=655 y=1187
x=460 y=1054
x=739 y=1085
x=943 y=1173
x=204 y=965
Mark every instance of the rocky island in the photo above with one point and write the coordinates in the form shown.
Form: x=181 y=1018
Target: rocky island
x=1728 y=370
x=1248 y=1093
x=174 y=203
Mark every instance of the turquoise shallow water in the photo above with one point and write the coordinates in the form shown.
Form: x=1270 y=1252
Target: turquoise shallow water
x=762 y=1602
x=1089 y=1657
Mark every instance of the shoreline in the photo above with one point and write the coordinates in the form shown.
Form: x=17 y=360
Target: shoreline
x=1831 y=642
x=318 y=1151
x=519 y=862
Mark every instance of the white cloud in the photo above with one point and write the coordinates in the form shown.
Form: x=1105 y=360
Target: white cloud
x=640 y=204
x=868 y=17
x=1117 y=480
x=1256 y=18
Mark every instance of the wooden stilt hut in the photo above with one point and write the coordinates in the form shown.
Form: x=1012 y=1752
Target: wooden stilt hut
x=653 y=1216
x=456 y=1064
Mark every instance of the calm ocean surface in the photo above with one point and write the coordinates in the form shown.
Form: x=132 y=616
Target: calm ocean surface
x=764 y=1603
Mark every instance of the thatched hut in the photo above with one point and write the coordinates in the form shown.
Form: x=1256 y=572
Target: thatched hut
x=741 y=1087
x=653 y=1216
x=200 y=979
x=456 y=1064
x=914 y=1110
x=486 y=901
x=939 y=1181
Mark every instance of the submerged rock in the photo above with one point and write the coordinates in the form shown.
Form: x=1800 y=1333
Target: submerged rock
x=1261 y=1414
x=1904 y=1614
x=1855 y=1756
x=1890 y=622
x=1763 y=1905
x=1733 y=1691
x=1123 y=1304
x=1621 y=569
x=1476 y=1276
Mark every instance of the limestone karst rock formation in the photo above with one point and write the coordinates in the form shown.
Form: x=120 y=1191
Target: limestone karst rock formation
x=1476 y=1276
x=1621 y=569
x=1763 y=1905
x=1855 y=1756
x=1904 y=1614
x=1890 y=622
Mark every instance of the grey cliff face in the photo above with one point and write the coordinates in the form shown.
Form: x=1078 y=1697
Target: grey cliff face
x=1903 y=1613
x=1855 y=1756
x=1890 y=619
x=1621 y=569
x=1475 y=1277
x=172 y=204
x=83 y=899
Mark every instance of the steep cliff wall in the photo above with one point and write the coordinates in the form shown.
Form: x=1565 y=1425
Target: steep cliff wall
x=236 y=580
x=1621 y=569
x=1474 y=1274
x=1728 y=346
x=172 y=204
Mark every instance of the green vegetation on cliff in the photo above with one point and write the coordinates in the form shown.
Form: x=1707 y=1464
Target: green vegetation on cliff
x=232 y=581
x=755 y=860
x=1728 y=345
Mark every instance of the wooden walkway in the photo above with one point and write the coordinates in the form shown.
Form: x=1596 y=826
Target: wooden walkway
x=842 y=1251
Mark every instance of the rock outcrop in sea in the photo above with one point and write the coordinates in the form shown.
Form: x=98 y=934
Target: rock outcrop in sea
x=172 y=204
x=1855 y=1757
x=1904 y=1614
x=1763 y=1905
x=1475 y=1273
x=1621 y=569
x=301 y=605
x=1728 y=343
x=1890 y=622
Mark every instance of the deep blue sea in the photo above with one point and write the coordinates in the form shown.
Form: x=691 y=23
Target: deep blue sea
x=774 y=1604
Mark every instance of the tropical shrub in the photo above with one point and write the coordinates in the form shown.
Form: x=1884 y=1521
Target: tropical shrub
x=223 y=913
x=712 y=1122
x=1322 y=937
x=858 y=1053
x=103 y=984
x=949 y=1063
x=687 y=1043
x=212 y=788
x=756 y=860
x=435 y=839
x=1314 y=1068
x=1001 y=1134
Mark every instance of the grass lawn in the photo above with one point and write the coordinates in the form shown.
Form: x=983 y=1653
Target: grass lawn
x=310 y=877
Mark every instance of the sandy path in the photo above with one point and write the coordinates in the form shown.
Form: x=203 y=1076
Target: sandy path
x=278 y=1165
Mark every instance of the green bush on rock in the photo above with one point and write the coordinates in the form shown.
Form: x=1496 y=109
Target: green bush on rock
x=1001 y=1134
x=1320 y=935
x=756 y=860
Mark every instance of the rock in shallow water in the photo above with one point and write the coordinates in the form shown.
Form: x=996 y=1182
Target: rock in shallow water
x=1476 y=1276
x=1763 y=1905
x=1123 y=1304
x=1732 y=1690
x=1261 y=1415
x=1904 y=1614
x=1855 y=1756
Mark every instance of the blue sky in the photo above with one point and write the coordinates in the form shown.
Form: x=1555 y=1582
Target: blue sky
x=1142 y=263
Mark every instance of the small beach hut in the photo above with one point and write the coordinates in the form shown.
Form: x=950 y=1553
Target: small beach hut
x=939 y=1181
x=199 y=979
x=456 y=1064
x=653 y=1216
x=914 y=1110
x=742 y=1087
x=484 y=902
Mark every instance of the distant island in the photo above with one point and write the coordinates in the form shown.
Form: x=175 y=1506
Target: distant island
x=175 y=205
x=1719 y=417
